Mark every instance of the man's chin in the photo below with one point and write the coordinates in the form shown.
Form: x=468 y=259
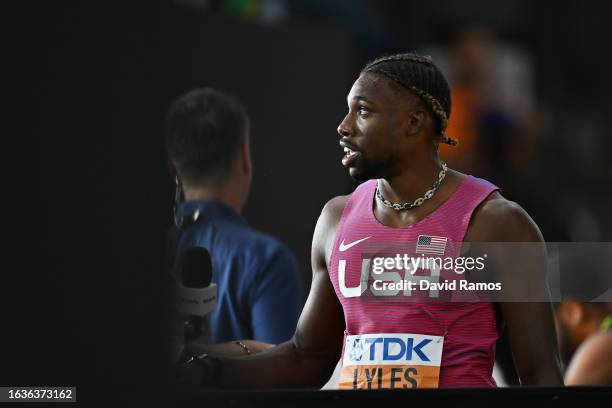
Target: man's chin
x=360 y=174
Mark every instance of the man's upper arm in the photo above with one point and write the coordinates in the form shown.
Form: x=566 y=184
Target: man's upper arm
x=321 y=326
x=501 y=221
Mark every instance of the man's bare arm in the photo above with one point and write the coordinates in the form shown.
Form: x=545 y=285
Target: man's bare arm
x=530 y=324
x=229 y=349
x=308 y=359
x=591 y=363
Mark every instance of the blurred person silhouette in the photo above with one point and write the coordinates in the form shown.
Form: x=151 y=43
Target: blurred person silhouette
x=492 y=92
x=493 y=117
x=584 y=325
x=585 y=333
x=259 y=294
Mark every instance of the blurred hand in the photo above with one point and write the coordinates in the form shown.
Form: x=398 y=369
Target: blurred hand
x=195 y=374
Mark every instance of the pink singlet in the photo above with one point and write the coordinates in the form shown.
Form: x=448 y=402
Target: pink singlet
x=401 y=336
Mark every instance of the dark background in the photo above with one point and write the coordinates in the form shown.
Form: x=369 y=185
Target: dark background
x=83 y=284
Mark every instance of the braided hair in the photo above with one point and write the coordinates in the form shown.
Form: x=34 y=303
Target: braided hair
x=419 y=75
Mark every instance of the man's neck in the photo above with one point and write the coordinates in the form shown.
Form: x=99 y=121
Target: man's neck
x=415 y=178
x=219 y=194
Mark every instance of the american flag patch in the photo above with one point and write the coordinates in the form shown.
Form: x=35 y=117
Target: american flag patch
x=428 y=244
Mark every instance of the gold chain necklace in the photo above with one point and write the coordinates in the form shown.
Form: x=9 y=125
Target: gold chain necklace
x=407 y=206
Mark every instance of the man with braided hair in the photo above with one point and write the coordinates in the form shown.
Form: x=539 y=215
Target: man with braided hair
x=409 y=201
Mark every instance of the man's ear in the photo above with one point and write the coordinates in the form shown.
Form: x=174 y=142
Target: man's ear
x=416 y=121
x=245 y=155
x=572 y=313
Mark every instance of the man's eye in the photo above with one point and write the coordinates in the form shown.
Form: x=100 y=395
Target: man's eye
x=362 y=111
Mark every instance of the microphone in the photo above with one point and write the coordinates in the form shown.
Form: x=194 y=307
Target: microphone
x=196 y=268
x=197 y=295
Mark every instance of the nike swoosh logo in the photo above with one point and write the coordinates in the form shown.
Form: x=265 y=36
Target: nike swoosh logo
x=344 y=247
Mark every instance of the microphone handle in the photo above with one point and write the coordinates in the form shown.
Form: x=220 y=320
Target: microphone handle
x=197 y=328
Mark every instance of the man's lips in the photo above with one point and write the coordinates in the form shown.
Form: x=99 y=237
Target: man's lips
x=350 y=153
x=348 y=145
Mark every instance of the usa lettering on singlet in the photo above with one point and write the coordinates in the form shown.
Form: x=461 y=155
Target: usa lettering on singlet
x=409 y=337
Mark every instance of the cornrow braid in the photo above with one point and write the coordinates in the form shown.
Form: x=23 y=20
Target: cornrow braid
x=438 y=110
x=422 y=77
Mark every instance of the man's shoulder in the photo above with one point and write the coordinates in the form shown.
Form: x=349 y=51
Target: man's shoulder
x=239 y=239
x=332 y=212
x=587 y=366
x=599 y=343
x=326 y=227
x=498 y=219
x=497 y=208
x=333 y=208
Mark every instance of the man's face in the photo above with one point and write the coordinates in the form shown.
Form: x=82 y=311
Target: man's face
x=373 y=130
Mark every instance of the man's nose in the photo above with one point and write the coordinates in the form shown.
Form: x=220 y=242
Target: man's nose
x=343 y=128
